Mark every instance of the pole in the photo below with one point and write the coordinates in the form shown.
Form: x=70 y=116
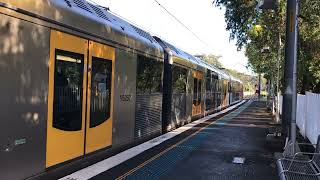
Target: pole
x=290 y=71
x=278 y=70
x=259 y=87
x=278 y=78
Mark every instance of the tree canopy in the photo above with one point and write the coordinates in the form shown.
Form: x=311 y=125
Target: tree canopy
x=254 y=30
x=211 y=59
x=248 y=80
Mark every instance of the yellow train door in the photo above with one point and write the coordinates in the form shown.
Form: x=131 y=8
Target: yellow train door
x=100 y=99
x=197 y=96
x=80 y=97
x=225 y=93
x=67 y=98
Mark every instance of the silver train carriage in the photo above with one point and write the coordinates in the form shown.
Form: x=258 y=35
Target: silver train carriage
x=81 y=84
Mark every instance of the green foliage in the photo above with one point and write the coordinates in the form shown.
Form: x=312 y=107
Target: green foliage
x=309 y=44
x=249 y=81
x=240 y=17
x=255 y=30
x=211 y=59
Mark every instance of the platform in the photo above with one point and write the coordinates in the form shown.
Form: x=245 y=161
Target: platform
x=227 y=146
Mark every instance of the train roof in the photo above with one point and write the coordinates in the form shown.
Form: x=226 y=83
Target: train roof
x=209 y=66
x=221 y=73
x=224 y=75
x=193 y=61
x=93 y=20
x=205 y=64
x=90 y=19
x=237 y=80
x=179 y=56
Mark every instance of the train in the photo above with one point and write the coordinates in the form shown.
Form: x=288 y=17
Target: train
x=80 y=84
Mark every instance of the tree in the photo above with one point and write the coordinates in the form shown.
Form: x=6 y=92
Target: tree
x=240 y=17
x=211 y=59
x=309 y=44
x=255 y=30
x=249 y=82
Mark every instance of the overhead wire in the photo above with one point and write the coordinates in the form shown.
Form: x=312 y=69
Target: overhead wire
x=185 y=26
x=181 y=23
x=175 y=18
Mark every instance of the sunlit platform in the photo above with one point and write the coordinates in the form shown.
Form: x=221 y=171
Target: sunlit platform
x=222 y=146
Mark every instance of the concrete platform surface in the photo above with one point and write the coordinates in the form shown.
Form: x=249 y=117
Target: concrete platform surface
x=229 y=147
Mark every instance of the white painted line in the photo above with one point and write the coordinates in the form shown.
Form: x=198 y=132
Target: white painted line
x=115 y=160
x=238 y=160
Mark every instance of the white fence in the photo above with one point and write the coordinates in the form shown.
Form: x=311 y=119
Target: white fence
x=308 y=115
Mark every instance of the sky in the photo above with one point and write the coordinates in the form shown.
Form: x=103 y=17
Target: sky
x=200 y=16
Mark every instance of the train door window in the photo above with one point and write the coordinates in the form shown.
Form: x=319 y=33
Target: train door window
x=208 y=81
x=214 y=85
x=68 y=83
x=215 y=92
x=195 y=89
x=100 y=91
x=208 y=93
x=225 y=88
x=199 y=90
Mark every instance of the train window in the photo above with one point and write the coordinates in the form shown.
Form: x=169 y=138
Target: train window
x=208 y=82
x=214 y=85
x=179 y=79
x=208 y=85
x=149 y=75
x=100 y=91
x=208 y=73
x=68 y=83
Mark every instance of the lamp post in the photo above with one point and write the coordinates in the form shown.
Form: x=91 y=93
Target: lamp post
x=290 y=72
x=278 y=76
x=290 y=68
x=268 y=4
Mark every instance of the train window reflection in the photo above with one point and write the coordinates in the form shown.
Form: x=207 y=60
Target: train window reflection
x=149 y=75
x=179 y=79
x=100 y=91
x=68 y=83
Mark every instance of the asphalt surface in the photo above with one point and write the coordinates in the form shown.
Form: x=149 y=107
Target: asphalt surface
x=207 y=151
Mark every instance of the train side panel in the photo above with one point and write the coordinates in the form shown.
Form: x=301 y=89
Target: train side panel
x=148 y=112
x=179 y=113
x=125 y=97
x=137 y=89
x=24 y=55
x=189 y=96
